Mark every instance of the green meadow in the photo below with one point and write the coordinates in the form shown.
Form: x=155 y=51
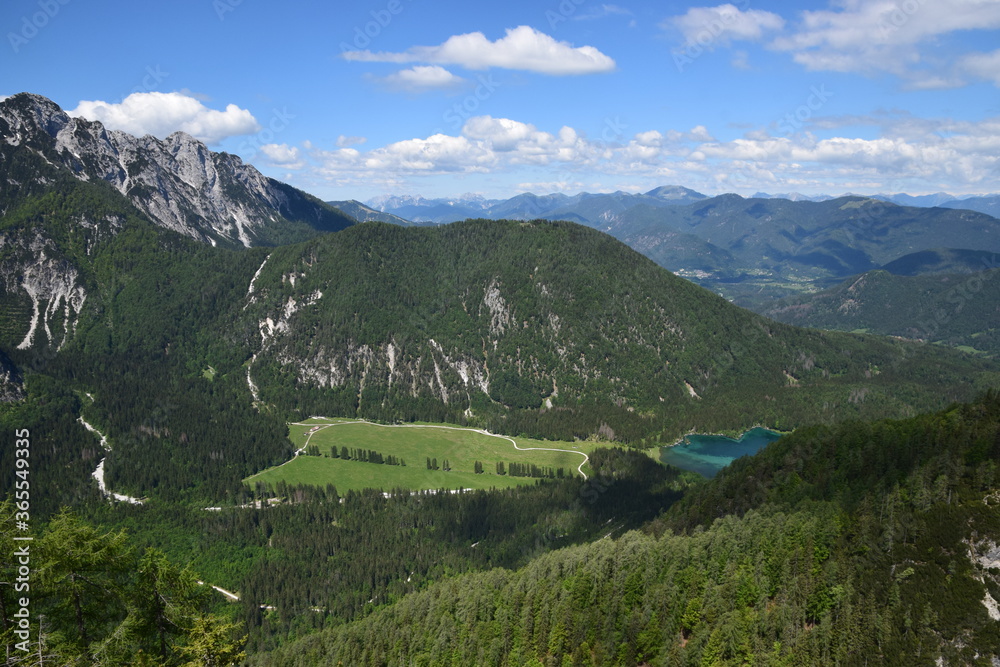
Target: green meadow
x=414 y=444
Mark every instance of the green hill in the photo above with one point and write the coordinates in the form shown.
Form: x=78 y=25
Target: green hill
x=959 y=310
x=554 y=330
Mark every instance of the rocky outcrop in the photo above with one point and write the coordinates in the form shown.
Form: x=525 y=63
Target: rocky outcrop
x=178 y=182
x=32 y=268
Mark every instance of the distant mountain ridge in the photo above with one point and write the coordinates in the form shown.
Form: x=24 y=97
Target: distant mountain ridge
x=178 y=182
x=363 y=213
x=752 y=250
x=575 y=207
x=988 y=204
x=591 y=209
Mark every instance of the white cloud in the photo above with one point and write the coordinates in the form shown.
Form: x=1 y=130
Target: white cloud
x=908 y=154
x=344 y=141
x=741 y=60
x=161 y=114
x=423 y=77
x=884 y=35
x=710 y=26
x=522 y=48
x=283 y=155
x=982 y=66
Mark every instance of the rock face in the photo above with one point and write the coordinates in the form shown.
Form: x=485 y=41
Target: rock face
x=178 y=182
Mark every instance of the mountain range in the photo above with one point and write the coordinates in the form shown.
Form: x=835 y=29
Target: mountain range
x=166 y=311
x=548 y=329
x=750 y=250
x=443 y=210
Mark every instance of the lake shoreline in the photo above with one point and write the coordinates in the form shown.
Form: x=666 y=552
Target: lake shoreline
x=707 y=454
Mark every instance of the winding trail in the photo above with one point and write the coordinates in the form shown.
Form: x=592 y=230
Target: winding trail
x=586 y=458
x=232 y=596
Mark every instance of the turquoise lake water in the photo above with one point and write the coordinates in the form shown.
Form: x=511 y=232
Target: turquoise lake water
x=708 y=454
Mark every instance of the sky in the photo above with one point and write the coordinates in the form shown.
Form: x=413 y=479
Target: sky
x=350 y=100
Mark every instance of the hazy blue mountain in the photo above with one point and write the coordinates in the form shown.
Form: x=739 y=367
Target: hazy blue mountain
x=600 y=210
x=792 y=196
x=778 y=247
x=363 y=213
x=903 y=199
x=988 y=204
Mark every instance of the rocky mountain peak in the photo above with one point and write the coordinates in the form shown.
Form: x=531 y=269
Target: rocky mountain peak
x=177 y=181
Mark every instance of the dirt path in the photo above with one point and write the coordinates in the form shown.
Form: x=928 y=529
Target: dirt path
x=232 y=596
x=586 y=458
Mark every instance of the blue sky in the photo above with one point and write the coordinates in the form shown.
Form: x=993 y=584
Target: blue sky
x=441 y=98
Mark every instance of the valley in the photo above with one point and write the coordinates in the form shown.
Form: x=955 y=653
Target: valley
x=488 y=479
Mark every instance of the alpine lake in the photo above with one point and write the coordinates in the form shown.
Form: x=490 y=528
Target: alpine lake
x=708 y=454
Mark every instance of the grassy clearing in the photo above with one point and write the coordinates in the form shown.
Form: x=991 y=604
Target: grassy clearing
x=414 y=444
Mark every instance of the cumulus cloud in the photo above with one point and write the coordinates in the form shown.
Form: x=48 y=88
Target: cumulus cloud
x=423 y=77
x=161 y=114
x=522 y=48
x=283 y=155
x=883 y=36
x=710 y=26
x=908 y=154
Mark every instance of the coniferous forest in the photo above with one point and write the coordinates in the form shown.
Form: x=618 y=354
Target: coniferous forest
x=866 y=535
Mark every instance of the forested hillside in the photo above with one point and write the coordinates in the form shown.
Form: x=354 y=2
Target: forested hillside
x=94 y=598
x=863 y=543
x=956 y=309
x=554 y=330
x=544 y=329
x=107 y=316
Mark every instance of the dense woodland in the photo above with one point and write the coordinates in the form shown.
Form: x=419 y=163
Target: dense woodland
x=96 y=599
x=863 y=543
x=845 y=541
x=575 y=332
x=347 y=555
x=955 y=309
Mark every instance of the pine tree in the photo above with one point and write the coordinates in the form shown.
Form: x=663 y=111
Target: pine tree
x=211 y=644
